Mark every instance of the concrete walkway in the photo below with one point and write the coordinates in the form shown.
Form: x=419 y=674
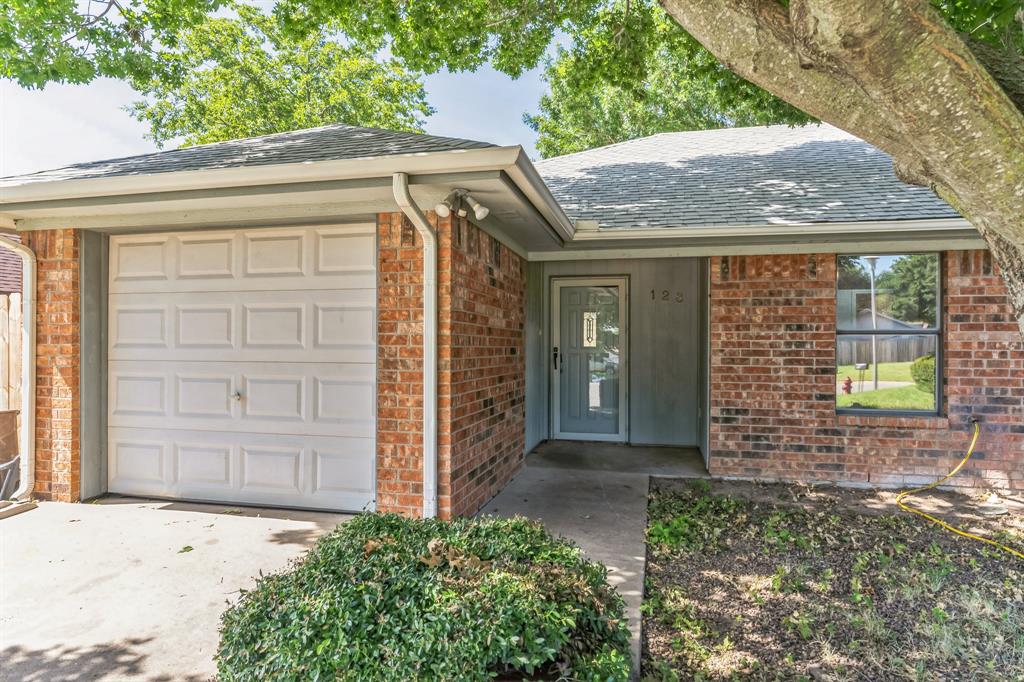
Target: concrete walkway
x=111 y=591
x=596 y=495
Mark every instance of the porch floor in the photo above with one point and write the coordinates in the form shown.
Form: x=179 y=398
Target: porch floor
x=677 y=462
x=595 y=494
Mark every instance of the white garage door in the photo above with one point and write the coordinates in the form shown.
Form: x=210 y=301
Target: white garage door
x=242 y=366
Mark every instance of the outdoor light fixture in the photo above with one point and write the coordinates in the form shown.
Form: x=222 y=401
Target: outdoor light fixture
x=443 y=208
x=454 y=202
x=479 y=210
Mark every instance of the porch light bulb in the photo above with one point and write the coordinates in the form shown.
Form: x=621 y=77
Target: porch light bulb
x=479 y=210
x=443 y=209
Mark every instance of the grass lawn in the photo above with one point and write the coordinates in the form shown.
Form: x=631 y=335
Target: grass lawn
x=778 y=582
x=887 y=371
x=903 y=398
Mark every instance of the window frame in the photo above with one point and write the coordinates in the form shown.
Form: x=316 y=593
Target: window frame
x=938 y=331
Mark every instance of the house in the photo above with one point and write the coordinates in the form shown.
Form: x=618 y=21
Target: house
x=10 y=269
x=349 y=318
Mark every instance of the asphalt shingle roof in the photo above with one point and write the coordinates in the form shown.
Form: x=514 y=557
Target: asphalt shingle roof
x=736 y=176
x=327 y=143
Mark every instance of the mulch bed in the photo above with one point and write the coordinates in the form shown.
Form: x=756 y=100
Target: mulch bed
x=751 y=581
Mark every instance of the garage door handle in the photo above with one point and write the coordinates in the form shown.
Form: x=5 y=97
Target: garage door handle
x=236 y=396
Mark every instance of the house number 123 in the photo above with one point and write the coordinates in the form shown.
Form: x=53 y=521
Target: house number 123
x=666 y=295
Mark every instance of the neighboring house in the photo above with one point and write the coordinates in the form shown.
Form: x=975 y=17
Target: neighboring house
x=10 y=268
x=244 y=321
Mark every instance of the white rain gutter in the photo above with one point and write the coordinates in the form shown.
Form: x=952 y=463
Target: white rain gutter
x=27 y=447
x=400 y=187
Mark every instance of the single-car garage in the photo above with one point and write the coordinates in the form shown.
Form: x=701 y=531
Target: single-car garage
x=241 y=366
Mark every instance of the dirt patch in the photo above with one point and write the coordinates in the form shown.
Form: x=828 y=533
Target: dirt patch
x=750 y=581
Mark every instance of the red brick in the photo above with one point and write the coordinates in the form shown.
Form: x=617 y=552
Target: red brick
x=58 y=452
x=481 y=365
x=773 y=402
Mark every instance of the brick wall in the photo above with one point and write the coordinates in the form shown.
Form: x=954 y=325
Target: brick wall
x=399 y=366
x=57 y=365
x=481 y=368
x=773 y=384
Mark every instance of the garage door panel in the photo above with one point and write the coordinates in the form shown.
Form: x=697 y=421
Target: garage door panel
x=140 y=259
x=141 y=464
x=139 y=326
x=204 y=257
x=285 y=326
x=242 y=366
x=295 y=471
x=288 y=398
x=202 y=327
x=335 y=257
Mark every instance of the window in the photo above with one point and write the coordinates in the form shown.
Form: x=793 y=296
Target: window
x=888 y=325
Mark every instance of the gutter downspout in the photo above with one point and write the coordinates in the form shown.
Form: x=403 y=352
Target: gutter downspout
x=27 y=448
x=400 y=188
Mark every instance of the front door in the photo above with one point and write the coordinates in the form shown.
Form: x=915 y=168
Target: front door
x=588 y=359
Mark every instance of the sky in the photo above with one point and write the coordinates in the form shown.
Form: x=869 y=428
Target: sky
x=64 y=124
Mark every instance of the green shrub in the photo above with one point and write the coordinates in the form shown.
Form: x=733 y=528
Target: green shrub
x=388 y=598
x=922 y=371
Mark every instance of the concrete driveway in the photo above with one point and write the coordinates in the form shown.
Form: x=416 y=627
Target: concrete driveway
x=111 y=590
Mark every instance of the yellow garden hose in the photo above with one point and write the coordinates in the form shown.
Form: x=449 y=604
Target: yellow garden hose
x=953 y=529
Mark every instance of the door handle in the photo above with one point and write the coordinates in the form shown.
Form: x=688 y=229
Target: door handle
x=554 y=356
x=236 y=396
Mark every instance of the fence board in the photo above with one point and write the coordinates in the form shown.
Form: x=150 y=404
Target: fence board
x=10 y=352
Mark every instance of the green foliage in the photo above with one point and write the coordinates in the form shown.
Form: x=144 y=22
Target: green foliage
x=852 y=274
x=57 y=41
x=695 y=523
x=911 y=287
x=388 y=598
x=243 y=76
x=635 y=73
x=923 y=372
x=997 y=22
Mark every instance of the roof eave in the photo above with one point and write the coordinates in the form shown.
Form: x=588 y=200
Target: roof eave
x=458 y=160
x=588 y=232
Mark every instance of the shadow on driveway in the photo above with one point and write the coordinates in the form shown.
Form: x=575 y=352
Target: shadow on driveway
x=124 y=588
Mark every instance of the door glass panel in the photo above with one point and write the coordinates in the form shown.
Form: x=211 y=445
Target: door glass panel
x=589 y=368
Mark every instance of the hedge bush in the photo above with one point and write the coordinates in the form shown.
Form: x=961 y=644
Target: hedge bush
x=922 y=371
x=387 y=598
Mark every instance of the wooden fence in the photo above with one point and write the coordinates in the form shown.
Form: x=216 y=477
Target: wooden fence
x=10 y=352
x=899 y=349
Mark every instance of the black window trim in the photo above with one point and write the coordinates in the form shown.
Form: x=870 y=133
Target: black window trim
x=937 y=331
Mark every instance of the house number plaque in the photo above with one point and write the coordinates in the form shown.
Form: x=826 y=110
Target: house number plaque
x=589 y=330
x=666 y=295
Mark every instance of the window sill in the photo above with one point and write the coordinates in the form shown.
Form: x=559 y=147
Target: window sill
x=924 y=421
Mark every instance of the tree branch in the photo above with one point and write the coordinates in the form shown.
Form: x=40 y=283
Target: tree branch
x=755 y=39
x=897 y=75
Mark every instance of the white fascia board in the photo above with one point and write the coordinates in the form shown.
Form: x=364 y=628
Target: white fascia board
x=795 y=230
x=524 y=174
x=739 y=249
x=511 y=160
x=453 y=161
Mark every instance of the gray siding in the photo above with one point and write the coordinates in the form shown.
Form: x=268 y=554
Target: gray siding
x=93 y=368
x=666 y=384
x=536 y=355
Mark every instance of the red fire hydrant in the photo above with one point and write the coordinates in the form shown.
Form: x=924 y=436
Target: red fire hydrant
x=847 y=386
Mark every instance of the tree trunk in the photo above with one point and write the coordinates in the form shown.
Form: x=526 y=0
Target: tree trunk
x=950 y=112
